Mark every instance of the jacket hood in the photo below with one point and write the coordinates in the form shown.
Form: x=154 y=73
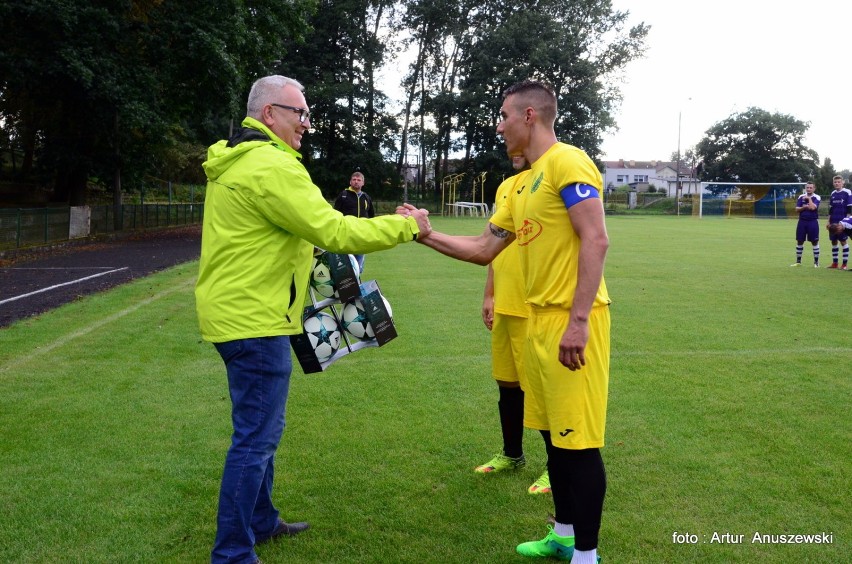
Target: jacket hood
x=252 y=134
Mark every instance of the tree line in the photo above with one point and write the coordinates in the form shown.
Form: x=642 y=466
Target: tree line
x=758 y=146
x=112 y=94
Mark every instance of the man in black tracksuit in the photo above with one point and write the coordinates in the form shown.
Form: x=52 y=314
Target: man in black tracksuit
x=354 y=201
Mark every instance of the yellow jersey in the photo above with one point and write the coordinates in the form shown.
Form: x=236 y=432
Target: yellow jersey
x=509 y=290
x=537 y=212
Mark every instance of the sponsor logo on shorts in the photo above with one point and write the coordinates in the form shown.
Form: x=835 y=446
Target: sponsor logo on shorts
x=565 y=432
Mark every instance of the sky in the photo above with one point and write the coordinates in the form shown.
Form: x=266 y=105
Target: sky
x=708 y=60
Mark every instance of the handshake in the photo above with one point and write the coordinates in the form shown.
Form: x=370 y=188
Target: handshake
x=420 y=215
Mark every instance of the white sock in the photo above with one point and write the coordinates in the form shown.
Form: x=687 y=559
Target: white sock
x=563 y=530
x=585 y=556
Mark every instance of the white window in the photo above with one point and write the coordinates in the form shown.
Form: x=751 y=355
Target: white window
x=621 y=179
x=640 y=178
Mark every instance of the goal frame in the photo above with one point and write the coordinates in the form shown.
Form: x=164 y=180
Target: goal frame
x=704 y=185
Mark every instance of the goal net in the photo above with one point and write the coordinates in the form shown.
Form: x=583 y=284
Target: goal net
x=748 y=199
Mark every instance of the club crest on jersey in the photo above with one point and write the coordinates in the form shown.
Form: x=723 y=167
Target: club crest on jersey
x=529 y=231
x=537 y=183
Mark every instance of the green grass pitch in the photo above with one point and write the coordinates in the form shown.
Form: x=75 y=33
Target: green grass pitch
x=728 y=416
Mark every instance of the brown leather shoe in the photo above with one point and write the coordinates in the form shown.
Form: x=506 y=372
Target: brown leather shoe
x=284 y=528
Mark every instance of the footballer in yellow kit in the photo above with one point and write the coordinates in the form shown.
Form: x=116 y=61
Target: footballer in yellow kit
x=570 y=404
x=510 y=307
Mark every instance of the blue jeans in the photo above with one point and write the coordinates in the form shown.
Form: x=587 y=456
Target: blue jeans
x=258 y=383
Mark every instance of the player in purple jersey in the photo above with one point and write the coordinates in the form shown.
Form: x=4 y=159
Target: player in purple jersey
x=844 y=226
x=807 y=205
x=839 y=206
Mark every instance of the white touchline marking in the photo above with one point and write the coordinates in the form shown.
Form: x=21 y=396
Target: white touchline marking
x=22 y=296
x=731 y=352
x=97 y=325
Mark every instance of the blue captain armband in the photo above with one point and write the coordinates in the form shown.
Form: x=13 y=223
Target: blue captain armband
x=577 y=192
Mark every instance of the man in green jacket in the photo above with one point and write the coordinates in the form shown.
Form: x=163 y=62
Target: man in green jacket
x=262 y=218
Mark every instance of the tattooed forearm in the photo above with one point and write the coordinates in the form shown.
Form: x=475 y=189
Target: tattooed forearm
x=498 y=232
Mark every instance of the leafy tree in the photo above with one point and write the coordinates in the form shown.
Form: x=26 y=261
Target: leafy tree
x=688 y=158
x=337 y=63
x=112 y=92
x=578 y=47
x=105 y=90
x=757 y=146
x=436 y=28
x=825 y=177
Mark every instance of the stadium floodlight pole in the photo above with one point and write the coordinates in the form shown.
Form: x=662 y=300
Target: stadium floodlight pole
x=678 y=188
x=678 y=182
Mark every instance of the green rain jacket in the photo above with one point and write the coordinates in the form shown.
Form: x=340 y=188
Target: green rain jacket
x=262 y=218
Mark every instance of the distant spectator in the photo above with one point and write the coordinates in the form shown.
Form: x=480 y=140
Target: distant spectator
x=354 y=201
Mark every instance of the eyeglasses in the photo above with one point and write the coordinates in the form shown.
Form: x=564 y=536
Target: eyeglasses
x=304 y=113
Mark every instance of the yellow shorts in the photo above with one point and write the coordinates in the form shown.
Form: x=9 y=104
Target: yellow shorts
x=571 y=405
x=508 y=339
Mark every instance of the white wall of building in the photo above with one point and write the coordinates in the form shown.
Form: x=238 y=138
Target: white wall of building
x=613 y=178
x=660 y=174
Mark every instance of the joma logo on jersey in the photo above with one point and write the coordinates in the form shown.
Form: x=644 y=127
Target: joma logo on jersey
x=537 y=183
x=529 y=231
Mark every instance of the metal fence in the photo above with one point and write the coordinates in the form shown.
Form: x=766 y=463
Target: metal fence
x=145 y=216
x=620 y=201
x=30 y=227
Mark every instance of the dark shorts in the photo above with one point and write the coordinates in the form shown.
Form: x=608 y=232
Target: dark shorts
x=807 y=230
x=842 y=237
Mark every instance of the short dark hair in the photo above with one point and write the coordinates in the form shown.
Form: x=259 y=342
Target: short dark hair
x=526 y=86
x=540 y=95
